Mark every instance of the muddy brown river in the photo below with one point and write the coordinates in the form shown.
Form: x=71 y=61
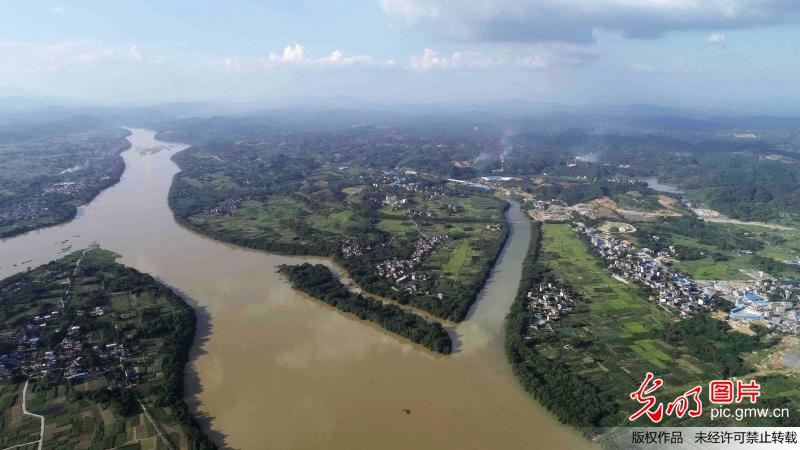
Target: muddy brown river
x=272 y=368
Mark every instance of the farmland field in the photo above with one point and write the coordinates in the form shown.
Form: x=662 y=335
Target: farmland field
x=721 y=251
x=134 y=348
x=321 y=209
x=616 y=335
x=50 y=169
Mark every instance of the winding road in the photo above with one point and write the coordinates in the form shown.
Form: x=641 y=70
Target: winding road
x=26 y=412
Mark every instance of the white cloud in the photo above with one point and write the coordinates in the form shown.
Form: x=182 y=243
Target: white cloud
x=338 y=58
x=577 y=20
x=717 y=39
x=134 y=53
x=297 y=55
x=543 y=56
x=292 y=53
x=429 y=60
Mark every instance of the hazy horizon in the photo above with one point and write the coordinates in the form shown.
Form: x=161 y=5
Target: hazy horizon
x=731 y=55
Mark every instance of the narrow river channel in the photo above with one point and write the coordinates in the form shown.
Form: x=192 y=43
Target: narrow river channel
x=272 y=368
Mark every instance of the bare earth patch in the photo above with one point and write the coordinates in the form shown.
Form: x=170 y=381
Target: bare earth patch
x=789 y=354
x=605 y=207
x=668 y=202
x=709 y=215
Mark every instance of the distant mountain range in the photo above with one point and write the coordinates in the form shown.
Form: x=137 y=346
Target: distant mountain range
x=341 y=109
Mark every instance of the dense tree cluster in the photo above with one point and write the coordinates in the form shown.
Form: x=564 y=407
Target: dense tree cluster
x=318 y=281
x=709 y=339
x=743 y=179
x=572 y=193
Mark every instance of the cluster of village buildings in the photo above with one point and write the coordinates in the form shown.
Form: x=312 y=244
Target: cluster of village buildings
x=494 y=227
x=65 y=187
x=551 y=212
x=350 y=249
x=409 y=182
x=23 y=211
x=762 y=299
x=402 y=272
x=643 y=266
x=66 y=360
x=228 y=206
x=548 y=302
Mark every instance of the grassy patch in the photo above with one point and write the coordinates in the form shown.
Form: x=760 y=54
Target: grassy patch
x=457 y=259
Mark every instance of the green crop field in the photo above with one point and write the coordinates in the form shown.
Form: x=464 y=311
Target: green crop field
x=635 y=200
x=308 y=207
x=457 y=259
x=708 y=269
x=153 y=324
x=567 y=255
x=723 y=250
x=616 y=335
x=461 y=260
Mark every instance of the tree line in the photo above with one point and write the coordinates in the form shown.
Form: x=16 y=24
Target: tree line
x=318 y=281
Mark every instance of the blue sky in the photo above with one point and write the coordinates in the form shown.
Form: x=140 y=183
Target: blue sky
x=711 y=54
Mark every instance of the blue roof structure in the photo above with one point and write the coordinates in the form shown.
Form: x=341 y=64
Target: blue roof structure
x=754 y=298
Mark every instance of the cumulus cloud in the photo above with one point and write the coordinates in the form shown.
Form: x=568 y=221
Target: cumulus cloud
x=292 y=53
x=296 y=54
x=531 y=57
x=717 y=39
x=431 y=60
x=575 y=21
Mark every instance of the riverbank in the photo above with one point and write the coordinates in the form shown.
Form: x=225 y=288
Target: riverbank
x=269 y=364
x=65 y=210
x=430 y=246
x=318 y=281
x=114 y=348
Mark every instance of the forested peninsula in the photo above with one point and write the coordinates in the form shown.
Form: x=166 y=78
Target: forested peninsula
x=318 y=281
